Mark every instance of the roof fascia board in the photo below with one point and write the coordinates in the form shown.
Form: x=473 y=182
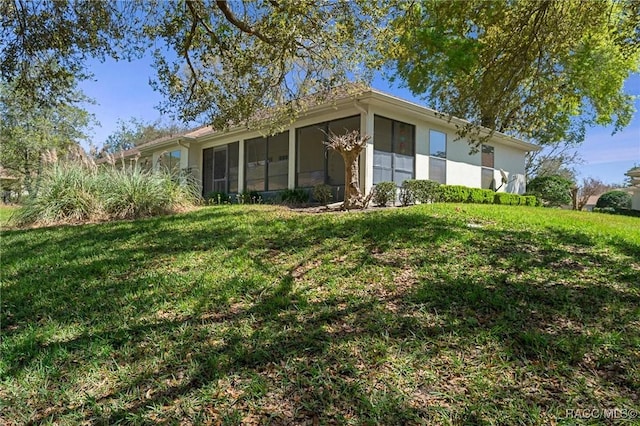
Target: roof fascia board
x=376 y=97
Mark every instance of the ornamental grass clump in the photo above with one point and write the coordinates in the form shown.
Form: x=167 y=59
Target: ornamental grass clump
x=65 y=193
x=77 y=190
x=132 y=192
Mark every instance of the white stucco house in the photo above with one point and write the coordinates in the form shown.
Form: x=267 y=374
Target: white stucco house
x=408 y=141
x=634 y=174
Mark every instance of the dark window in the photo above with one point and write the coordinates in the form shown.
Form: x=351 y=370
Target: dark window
x=394 y=147
x=278 y=161
x=220 y=169
x=311 y=156
x=487 y=156
x=256 y=164
x=207 y=171
x=267 y=163
x=315 y=163
x=234 y=153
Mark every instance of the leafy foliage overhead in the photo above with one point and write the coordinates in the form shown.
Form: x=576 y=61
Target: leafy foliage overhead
x=44 y=44
x=217 y=61
x=541 y=70
x=135 y=132
x=27 y=131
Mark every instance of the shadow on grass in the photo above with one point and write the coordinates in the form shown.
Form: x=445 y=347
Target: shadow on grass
x=545 y=299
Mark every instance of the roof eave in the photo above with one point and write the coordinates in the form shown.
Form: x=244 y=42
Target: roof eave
x=449 y=121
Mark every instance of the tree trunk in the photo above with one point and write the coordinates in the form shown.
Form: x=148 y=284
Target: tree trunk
x=352 y=194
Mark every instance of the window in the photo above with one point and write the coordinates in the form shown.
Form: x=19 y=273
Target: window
x=487 y=167
x=437 y=144
x=487 y=179
x=278 y=161
x=170 y=161
x=438 y=155
x=311 y=156
x=256 y=164
x=317 y=165
x=438 y=170
x=393 y=150
x=487 y=156
x=220 y=169
x=234 y=153
x=267 y=163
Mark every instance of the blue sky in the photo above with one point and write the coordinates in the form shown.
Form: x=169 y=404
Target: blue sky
x=121 y=91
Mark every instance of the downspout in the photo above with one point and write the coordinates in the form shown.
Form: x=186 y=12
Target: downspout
x=359 y=107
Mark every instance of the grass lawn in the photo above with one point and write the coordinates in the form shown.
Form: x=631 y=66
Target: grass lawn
x=439 y=314
x=5 y=214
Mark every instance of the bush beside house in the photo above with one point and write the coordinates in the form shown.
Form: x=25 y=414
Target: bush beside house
x=552 y=191
x=614 y=199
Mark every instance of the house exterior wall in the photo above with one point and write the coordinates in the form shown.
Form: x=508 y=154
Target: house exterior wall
x=635 y=198
x=512 y=161
x=462 y=167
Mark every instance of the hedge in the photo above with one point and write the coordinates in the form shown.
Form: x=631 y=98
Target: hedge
x=422 y=191
x=617 y=210
x=384 y=193
x=429 y=191
x=507 y=198
x=454 y=193
x=481 y=196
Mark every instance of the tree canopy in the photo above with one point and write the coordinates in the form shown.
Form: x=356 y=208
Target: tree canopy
x=541 y=70
x=217 y=62
x=537 y=69
x=44 y=44
x=27 y=132
x=134 y=132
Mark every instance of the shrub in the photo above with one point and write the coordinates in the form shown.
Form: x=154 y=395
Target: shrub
x=552 y=190
x=454 y=193
x=506 y=198
x=481 y=196
x=78 y=192
x=628 y=212
x=615 y=199
x=530 y=200
x=294 y=196
x=217 y=198
x=423 y=191
x=384 y=193
x=322 y=194
x=609 y=210
x=407 y=195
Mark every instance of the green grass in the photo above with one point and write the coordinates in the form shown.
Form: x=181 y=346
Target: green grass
x=5 y=214
x=438 y=314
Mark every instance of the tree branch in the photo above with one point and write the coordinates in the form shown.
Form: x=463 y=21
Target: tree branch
x=241 y=25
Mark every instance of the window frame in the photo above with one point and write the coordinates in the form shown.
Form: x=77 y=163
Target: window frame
x=487 y=167
x=394 y=143
x=323 y=126
x=438 y=159
x=265 y=159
